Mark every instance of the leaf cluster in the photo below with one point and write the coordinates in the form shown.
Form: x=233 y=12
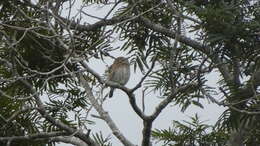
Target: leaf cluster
x=193 y=133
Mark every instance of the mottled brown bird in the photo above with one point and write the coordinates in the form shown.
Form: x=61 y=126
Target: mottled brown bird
x=119 y=72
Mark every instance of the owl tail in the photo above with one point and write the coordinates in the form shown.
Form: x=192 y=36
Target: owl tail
x=111 y=92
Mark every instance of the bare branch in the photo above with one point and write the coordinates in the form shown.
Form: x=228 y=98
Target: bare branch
x=68 y=139
x=144 y=77
x=41 y=135
x=104 y=115
x=167 y=100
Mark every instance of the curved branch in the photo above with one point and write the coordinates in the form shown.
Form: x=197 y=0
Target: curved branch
x=81 y=27
x=144 y=77
x=166 y=101
x=149 y=120
x=129 y=92
x=192 y=43
x=104 y=115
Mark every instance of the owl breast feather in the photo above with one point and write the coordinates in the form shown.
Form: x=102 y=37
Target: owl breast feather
x=122 y=75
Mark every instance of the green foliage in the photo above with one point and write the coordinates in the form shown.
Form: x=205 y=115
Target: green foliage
x=230 y=25
x=228 y=121
x=183 y=71
x=139 y=41
x=101 y=140
x=191 y=133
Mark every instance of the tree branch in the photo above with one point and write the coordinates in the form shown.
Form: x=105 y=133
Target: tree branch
x=41 y=135
x=104 y=115
x=80 y=27
x=192 y=43
x=55 y=122
x=68 y=139
x=147 y=130
x=129 y=92
x=167 y=100
x=144 y=77
x=149 y=119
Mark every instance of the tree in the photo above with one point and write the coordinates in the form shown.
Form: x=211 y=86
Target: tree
x=45 y=52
